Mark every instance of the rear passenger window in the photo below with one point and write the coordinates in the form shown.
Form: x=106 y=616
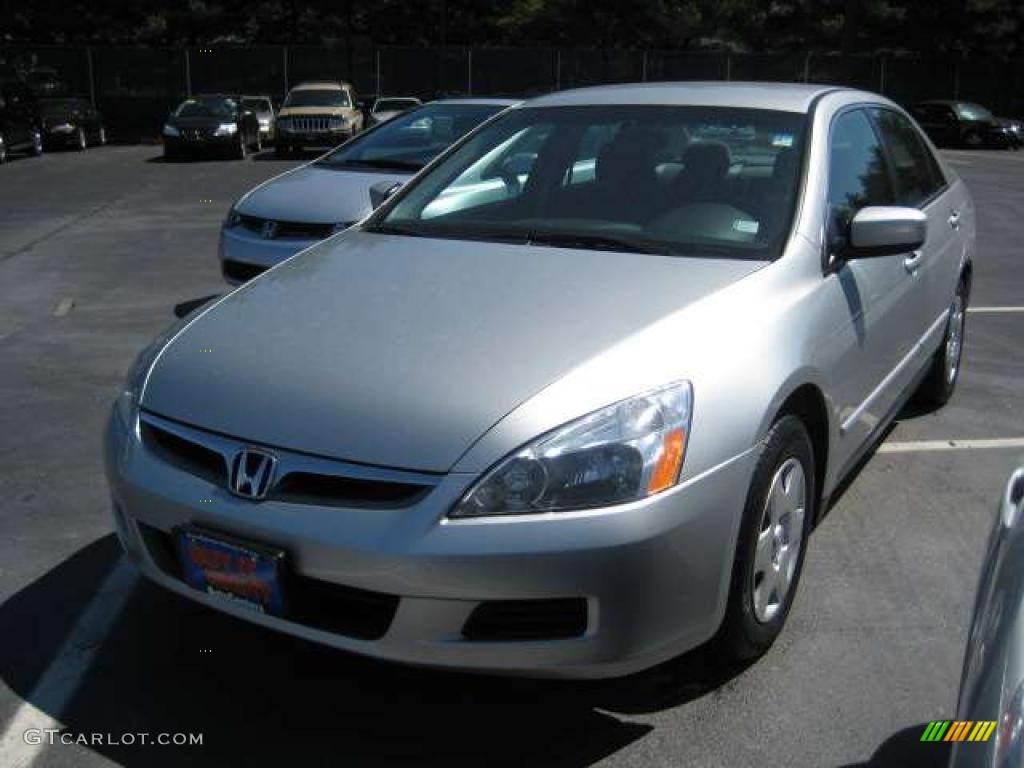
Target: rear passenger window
x=857 y=175
x=918 y=176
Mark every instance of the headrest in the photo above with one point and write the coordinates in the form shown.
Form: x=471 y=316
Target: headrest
x=634 y=152
x=706 y=160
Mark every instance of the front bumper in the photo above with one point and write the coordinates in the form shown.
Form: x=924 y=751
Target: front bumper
x=286 y=137
x=654 y=574
x=204 y=144
x=244 y=254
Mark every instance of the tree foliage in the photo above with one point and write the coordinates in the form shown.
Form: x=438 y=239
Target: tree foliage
x=968 y=27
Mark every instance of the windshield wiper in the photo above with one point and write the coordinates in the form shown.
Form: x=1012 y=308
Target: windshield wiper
x=394 y=229
x=599 y=242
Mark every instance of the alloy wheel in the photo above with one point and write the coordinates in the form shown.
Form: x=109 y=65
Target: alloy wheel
x=82 y=143
x=3 y=151
x=955 y=338
x=779 y=538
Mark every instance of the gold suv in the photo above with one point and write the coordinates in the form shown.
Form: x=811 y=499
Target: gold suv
x=320 y=114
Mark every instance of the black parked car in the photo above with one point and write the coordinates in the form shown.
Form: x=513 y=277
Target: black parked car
x=70 y=123
x=211 y=122
x=19 y=125
x=959 y=124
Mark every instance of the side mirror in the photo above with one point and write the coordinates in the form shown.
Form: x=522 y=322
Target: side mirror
x=381 y=191
x=886 y=230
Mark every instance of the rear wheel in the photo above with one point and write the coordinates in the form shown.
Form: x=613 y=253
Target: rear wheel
x=242 y=148
x=940 y=381
x=772 y=542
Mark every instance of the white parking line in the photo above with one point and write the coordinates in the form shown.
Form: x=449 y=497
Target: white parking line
x=912 y=446
x=54 y=689
x=994 y=310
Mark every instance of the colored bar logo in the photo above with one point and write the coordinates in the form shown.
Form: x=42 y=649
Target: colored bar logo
x=958 y=730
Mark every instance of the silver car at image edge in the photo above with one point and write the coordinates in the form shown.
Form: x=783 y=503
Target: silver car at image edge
x=298 y=208
x=569 y=403
x=992 y=686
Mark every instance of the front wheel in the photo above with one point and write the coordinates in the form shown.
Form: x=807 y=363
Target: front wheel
x=37 y=143
x=773 y=537
x=3 y=151
x=81 y=142
x=241 y=149
x=944 y=371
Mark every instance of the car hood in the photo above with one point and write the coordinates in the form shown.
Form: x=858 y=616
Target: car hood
x=316 y=195
x=402 y=351
x=199 y=121
x=314 y=110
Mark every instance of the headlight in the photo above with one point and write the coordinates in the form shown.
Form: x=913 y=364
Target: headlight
x=233 y=218
x=336 y=123
x=627 y=451
x=170 y=130
x=127 y=404
x=264 y=122
x=226 y=129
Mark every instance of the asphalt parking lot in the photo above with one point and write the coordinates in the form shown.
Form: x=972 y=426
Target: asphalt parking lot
x=98 y=250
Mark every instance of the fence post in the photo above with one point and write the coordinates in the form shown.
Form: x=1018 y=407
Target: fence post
x=284 y=62
x=558 y=69
x=956 y=79
x=728 y=68
x=188 y=74
x=807 y=67
x=469 y=71
x=92 y=78
x=377 y=69
x=643 y=68
x=881 y=75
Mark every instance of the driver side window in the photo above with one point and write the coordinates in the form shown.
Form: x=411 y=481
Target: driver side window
x=857 y=177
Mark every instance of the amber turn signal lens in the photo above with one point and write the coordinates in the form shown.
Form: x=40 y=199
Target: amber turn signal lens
x=667 y=469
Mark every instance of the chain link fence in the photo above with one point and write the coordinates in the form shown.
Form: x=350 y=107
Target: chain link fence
x=135 y=88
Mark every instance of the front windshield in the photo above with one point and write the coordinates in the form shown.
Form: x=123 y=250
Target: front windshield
x=972 y=112
x=256 y=105
x=318 y=97
x=653 y=179
x=206 y=107
x=411 y=140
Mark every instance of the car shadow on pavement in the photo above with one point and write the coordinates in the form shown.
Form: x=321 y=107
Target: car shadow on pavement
x=904 y=749
x=260 y=697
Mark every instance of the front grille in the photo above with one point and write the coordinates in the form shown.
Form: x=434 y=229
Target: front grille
x=195 y=133
x=240 y=271
x=192 y=457
x=284 y=230
x=356 y=613
x=300 y=479
x=516 y=620
x=310 y=124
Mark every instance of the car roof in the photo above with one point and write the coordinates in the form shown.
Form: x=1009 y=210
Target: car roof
x=786 y=97
x=322 y=85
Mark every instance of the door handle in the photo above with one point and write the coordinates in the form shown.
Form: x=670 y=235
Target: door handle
x=913 y=261
x=954 y=219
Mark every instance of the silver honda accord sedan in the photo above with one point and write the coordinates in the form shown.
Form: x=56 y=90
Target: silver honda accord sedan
x=571 y=400
x=295 y=210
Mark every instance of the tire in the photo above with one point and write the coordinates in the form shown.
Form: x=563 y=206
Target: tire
x=3 y=151
x=242 y=149
x=101 y=138
x=37 y=144
x=282 y=150
x=944 y=370
x=973 y=140
x=769 y=559
x=258 y=144
x=81 y=142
